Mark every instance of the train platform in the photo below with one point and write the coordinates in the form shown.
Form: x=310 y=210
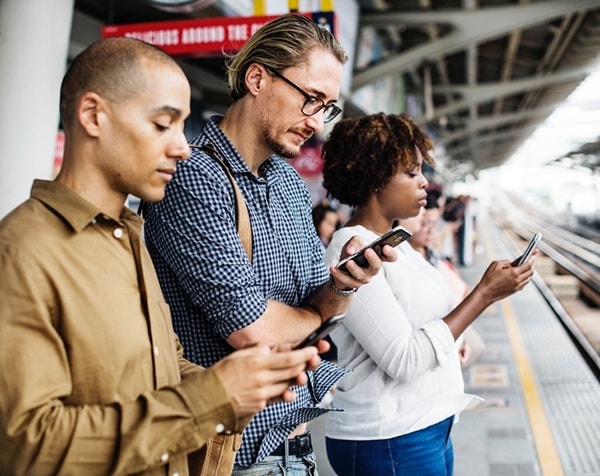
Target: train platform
x=541 y=414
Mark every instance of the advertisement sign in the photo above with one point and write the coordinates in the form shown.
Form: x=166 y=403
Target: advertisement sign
x=309 y=162
x=203 y=36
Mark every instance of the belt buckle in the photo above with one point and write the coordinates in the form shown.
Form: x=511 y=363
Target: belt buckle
x=303 y=444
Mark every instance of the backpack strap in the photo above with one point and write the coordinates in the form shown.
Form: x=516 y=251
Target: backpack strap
x=242 y=217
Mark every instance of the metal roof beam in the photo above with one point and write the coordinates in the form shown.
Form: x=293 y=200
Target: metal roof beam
x=502 y=136
x=488 y=92
x=470 y=27
x=500 y=120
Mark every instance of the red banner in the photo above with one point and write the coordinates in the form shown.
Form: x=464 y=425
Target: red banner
x=203 y=36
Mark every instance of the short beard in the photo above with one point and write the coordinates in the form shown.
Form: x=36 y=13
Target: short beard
x=281 y=151
x=275 y=146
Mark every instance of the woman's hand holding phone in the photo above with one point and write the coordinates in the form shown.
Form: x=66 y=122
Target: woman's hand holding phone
x=528 y=251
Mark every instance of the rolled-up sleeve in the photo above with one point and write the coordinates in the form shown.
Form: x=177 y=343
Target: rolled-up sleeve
x=441 y=339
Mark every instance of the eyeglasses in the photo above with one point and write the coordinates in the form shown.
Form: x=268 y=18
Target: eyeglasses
x=312 y=104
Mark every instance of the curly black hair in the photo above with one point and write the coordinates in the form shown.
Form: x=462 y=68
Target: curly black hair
x=362 y=154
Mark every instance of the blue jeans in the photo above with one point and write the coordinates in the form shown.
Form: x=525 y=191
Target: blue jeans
x=277 y=466
x=427 y=452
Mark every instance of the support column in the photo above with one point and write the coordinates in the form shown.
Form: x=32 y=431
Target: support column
x=34 y=41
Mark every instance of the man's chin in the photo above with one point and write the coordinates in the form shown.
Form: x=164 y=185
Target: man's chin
x=291 y=156
x=155 y=195
x=286 y=152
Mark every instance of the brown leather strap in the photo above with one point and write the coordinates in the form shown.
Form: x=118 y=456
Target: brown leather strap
x=217 y=457
x=242 y=217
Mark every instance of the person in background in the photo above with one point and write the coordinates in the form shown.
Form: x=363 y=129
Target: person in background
x=326 y=220
x=424 y=229
x=93 y=379
x=285 y=82
x=399 y=335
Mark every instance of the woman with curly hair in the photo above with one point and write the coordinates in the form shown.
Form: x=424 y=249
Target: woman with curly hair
x=399 y=335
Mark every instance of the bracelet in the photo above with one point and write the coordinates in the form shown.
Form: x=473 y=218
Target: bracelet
x=338 y=291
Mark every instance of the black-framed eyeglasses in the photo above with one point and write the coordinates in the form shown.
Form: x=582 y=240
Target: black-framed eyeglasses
x=312 y=104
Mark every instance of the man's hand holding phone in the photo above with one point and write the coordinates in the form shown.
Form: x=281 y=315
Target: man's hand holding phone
x=360 y=263
x=354 y=275
x=316 y=337
x=392 y=238
x=258 y=375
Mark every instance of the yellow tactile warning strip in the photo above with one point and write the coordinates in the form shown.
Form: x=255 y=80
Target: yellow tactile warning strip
x=545 y=445
x=542 y=433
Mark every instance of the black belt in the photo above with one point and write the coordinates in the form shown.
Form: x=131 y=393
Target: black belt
x=300 y=445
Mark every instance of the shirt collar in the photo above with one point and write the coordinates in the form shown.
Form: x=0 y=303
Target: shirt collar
x=234 y=159
x=77 y=211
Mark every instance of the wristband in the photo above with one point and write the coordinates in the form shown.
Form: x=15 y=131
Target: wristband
x=338 y=291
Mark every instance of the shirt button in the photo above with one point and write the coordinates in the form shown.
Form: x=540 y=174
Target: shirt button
x=155 y=351
x=175 y=474
x=164 y=457
x=220 y=428
x=117 y=232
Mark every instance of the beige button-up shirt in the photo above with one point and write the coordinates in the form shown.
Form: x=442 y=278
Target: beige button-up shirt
x=92 y=378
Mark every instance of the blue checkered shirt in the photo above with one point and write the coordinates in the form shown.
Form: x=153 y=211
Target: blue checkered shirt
x=210 y=284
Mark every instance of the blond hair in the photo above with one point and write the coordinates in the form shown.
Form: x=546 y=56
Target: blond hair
x=280 y=44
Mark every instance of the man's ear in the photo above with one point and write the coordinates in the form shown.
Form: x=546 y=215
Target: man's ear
x=89 y=109
x=255 y=74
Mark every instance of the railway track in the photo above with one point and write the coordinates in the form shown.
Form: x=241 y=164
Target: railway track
x=568 y=271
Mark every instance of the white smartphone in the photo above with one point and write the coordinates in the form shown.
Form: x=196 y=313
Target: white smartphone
x=530 y=247
x=323 y=330
x=393 y=238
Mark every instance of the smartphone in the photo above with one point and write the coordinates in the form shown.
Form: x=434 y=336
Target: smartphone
x=325 y=328
x=530 y=247
x=393 y=238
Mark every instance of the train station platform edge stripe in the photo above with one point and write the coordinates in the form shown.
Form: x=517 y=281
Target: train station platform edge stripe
x=542 y=433
x=545 y=445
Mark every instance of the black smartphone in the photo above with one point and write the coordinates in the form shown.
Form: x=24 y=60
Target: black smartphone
x=527 y=253
x=393 y=238
x=325 y=328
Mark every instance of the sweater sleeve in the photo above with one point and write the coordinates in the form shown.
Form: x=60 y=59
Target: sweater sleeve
x=382 y=318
